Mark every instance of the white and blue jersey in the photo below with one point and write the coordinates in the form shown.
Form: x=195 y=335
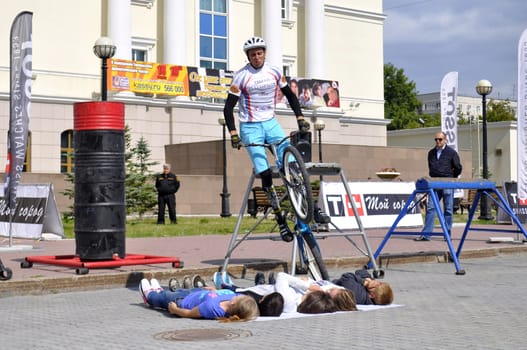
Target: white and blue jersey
x=257 y=93
x=257 y=90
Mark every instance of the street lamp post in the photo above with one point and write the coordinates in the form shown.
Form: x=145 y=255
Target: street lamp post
x=225 y=206
x=484 y=87
x=104 y=49
x=319 y=126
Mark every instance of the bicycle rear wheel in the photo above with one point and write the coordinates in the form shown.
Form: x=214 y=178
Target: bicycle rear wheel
x=315 y=264
x=297 y=183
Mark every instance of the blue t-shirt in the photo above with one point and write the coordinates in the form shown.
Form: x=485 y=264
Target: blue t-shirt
x=208 y=302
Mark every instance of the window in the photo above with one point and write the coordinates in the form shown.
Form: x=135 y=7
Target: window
x=139 y=55
x=213 y=34
x=288 y=62
x=286 y=9
x=66 y=151
x=287 y=20
x=27 y=159
x=142 y=49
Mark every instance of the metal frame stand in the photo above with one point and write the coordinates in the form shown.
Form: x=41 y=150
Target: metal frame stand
x=82 y=267
x=429 y=187
x=313 y=169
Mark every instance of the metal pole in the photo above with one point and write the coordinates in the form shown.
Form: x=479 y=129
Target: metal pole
x=320 y=150
x=104 y=92
x=485 y=213
x=225 y=207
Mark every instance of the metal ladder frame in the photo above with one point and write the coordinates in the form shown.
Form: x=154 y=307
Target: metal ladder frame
x=313 y=169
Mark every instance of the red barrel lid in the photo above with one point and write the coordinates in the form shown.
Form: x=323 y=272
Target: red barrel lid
x=99 y=115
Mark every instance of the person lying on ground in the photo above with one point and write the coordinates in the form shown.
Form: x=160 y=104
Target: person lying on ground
x=343 y=299
x=366 y=289
x=224 y=305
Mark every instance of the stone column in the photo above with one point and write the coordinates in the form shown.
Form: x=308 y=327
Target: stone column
x=174 y=32
x=120 y=27
x=314 y=18
x=272 y=31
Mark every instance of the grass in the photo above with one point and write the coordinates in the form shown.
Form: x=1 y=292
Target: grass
x=186 y=226
x=200 y=225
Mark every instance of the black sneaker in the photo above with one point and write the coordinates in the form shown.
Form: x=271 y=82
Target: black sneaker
x=198 y=282
x=285 y=233
x=321 y=217
x=271 y=279
x=173 y=284
x=259 y=278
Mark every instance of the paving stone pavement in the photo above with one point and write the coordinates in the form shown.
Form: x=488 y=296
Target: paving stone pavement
x=484 y=309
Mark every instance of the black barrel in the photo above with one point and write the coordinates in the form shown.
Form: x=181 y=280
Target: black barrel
x=99 y=207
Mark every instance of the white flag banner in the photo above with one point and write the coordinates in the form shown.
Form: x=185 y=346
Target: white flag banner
x=449 y=114
x=522 y=118
x=449 y=108
x=20 y=102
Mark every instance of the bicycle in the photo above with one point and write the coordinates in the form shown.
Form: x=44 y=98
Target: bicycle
x=298 y=189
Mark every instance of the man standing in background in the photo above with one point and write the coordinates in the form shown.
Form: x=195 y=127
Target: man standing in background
x=443 y=161
x=167 y=184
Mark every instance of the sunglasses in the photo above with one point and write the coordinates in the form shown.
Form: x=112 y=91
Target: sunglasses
x=438 y=139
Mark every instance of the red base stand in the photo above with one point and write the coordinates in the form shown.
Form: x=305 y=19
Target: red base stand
x=82 y=267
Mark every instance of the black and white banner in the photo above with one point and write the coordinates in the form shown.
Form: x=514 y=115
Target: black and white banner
x=449 y=108
x=36 y=212
x=522 y=119
x=378 y=204
x=20 y=103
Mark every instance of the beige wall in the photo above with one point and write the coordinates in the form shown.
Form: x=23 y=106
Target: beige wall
x=202 y=191
x=501 y=147
x=199 y=167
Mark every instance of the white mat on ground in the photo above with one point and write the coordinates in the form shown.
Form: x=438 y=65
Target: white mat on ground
x=288 y=315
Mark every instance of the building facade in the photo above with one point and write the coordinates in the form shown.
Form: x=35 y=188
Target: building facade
x=467 y=106
x=304 y=37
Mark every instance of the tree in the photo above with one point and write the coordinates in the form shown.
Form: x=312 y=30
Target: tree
x=498 y=111
x=139 y=187
x=400 y=99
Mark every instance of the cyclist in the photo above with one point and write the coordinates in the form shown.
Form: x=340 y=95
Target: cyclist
x=256 y=87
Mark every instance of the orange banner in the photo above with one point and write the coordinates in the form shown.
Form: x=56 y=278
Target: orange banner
x=167 y=79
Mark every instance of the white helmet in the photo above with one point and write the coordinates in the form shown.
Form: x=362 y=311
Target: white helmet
x=253 y=43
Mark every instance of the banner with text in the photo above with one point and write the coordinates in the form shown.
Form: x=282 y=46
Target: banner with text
x=20 y=102
x=522 y=118
x=518 y=208
x=378 y=204
x=167 y=79
x=174 y=80
x=36 y=212
x=449 y=108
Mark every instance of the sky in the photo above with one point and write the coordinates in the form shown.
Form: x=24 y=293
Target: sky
x=476 y=38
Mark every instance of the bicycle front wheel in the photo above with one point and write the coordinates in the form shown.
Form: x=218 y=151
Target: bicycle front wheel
x=316 y=266
x=297 y=183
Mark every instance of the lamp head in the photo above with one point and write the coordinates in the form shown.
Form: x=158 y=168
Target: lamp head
x=483 y=87
x=319 y=124
x=104 y=48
